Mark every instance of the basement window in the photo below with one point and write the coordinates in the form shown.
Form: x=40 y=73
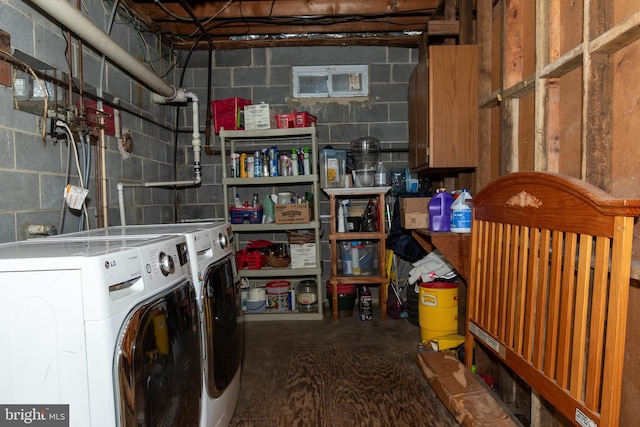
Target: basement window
x=331 y=81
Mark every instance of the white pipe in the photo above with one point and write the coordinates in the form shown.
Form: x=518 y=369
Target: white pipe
x=73 y=19
x=196 y=144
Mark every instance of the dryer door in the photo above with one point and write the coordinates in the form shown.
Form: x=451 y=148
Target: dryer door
x=222 y=326
x=158 y=366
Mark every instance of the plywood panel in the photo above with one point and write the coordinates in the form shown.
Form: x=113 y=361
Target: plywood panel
x=622 y=9
x=626 y=125
x=571 y=19
x=526 y=133
x=528 y=38
x=495 y=49
x=570 y=118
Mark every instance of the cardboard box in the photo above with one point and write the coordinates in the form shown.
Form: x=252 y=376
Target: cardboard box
x=469 y=401
x=260 y=116
x=414 y=212
x=294 y=213
x=303 y=255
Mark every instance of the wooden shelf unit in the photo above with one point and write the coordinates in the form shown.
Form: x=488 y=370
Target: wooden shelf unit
x=379 y=276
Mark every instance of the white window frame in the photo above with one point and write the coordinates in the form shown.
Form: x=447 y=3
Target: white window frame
x=360 y=86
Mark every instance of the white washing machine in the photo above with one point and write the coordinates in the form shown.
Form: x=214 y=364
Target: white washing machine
x=109 y=328
x=214 y=274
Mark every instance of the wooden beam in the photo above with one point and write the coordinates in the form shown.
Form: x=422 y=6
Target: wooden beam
x=6 y=69
x=443 y=28
x=617 y=37
x=410 y=41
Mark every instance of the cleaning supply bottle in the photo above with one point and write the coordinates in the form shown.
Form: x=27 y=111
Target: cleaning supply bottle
x=461 y=213
x=381 y=175
x=237 y=202
x=440 y=211
x=341 y=227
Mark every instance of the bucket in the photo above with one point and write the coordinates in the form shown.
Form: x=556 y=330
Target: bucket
x=278 y=295
x=437 y=309
x=346 y=299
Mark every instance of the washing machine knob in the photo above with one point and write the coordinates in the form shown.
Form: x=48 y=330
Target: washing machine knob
x=223 y=240
x=167 y=265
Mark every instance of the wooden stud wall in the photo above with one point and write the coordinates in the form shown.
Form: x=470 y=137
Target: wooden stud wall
x=559 y=90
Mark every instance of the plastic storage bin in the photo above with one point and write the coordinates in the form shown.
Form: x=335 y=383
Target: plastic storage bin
x=358 y=258
x=228 y=113
x=248 y=215
x=295 y=120
x=332 y=168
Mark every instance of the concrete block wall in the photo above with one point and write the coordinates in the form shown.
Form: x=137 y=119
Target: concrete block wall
x=264 y=75
x=34 y=171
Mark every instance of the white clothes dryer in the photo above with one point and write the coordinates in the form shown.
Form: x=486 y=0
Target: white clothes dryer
x=109 y=328
x=213 y=271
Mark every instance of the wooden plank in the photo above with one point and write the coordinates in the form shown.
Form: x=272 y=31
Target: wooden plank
x=491 y=100
x=616 y=324
x=567 y=307
x=621 y=35
x=541 y=299
x=597 y=104
x=6 y=70
x=505 y=285
x=443 y=28
x=553 y=308
x=521 y=88
x=513 y=39
x=598 y=315
x=564 y=64
x=581 y=318
x=465 y=12
x=541 y=117
x=521 y=287
x=530 y=305
x=551 y=154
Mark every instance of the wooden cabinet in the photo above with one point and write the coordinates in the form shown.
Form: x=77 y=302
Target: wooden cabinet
x=443 y=109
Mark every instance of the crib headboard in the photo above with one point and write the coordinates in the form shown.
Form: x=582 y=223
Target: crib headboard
x=548 y=290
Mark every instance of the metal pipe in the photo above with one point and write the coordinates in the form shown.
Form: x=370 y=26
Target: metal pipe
x=75 y=21
x=196 y=144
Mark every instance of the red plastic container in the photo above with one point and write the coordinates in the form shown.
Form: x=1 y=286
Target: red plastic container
x=295 y=120
x=251 y=260
x=228 y=113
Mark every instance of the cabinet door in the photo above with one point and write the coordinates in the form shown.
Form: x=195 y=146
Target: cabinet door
x=453 y=106
x=419 y=111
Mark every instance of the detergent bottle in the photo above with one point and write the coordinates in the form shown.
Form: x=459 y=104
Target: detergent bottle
x=461 y=213
x=440 y=211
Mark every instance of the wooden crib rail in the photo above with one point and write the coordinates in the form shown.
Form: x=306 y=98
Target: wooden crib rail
x=548 y=291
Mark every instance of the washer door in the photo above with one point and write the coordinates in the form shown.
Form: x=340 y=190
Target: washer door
x=158 y=367
x=222 y=309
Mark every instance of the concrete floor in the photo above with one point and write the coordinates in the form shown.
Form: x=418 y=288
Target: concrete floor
x=325 y=373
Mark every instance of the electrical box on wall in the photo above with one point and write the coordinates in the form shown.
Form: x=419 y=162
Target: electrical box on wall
x=96 y=118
